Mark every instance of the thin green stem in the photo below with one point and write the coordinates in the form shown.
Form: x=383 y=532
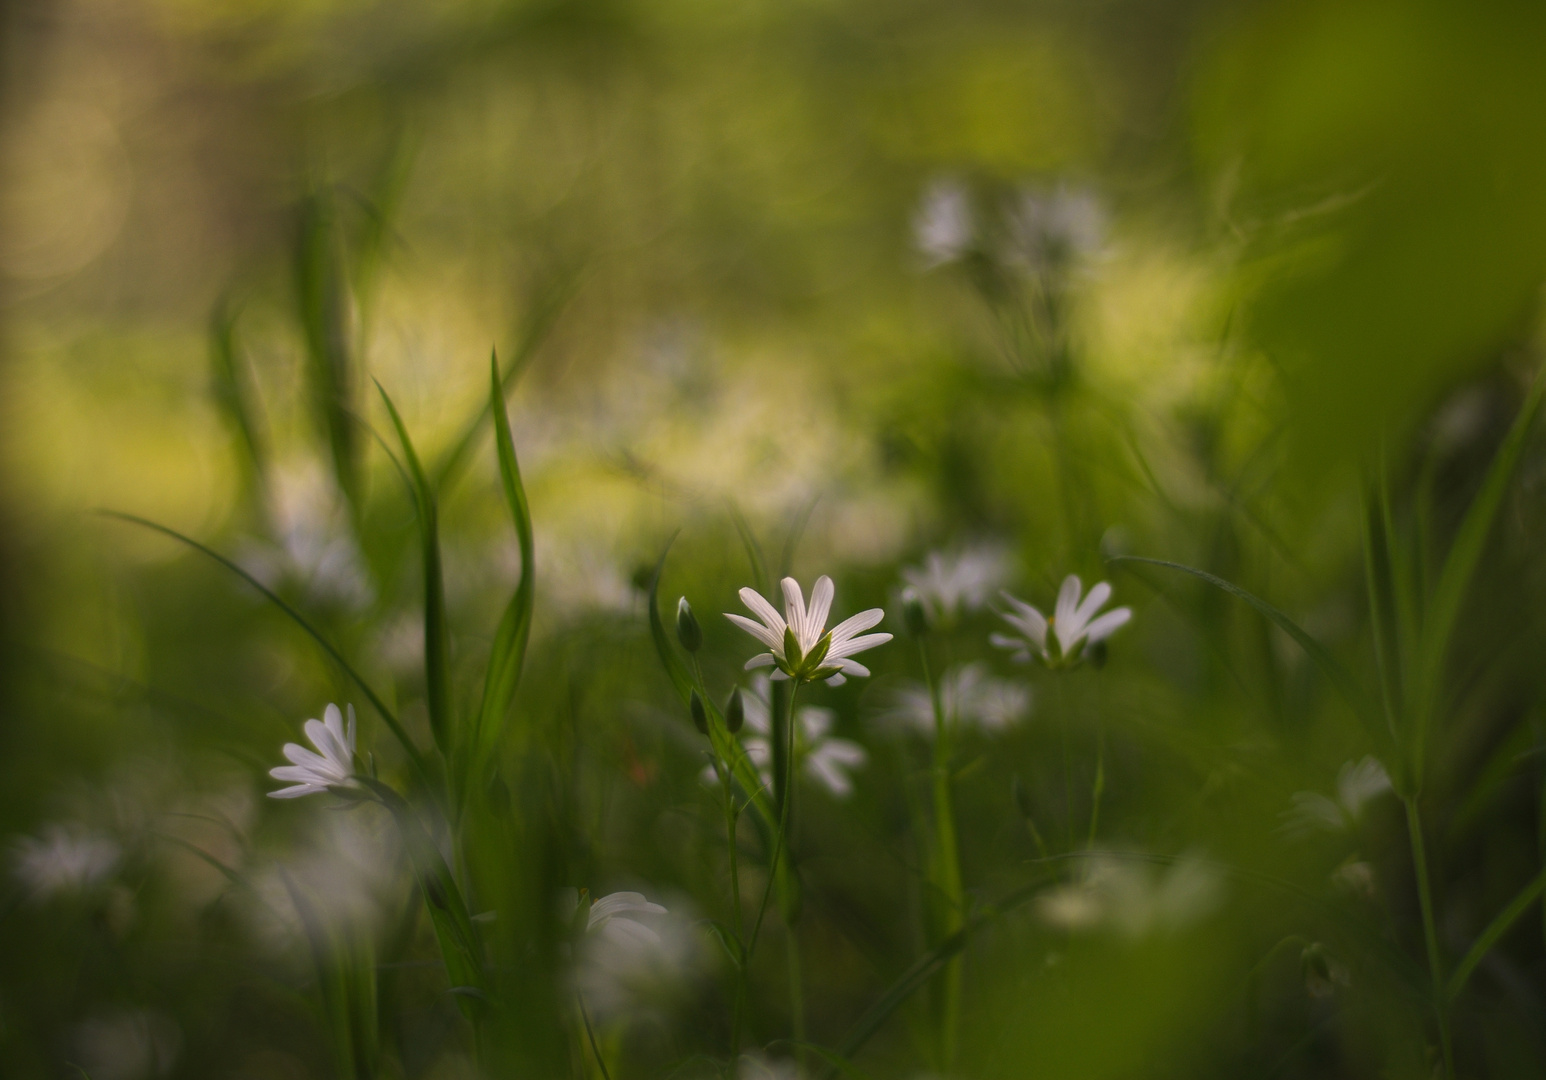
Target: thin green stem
x=1068 y=765
x=1098 y=788
x=1414 y=827
x=778 y=844
x=591 y=1035
x=949 y=893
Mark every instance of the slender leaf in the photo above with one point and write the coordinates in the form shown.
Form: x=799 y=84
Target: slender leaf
x=436 y=673
x=232 y=389
x=322 y=297
x=1494 y=933
x=509 y=652
x=300 y=620
x=759 y=565
x=1317 y=652
x=1460 y=565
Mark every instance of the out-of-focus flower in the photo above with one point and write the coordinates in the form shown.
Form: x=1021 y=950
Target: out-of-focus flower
x=348 y=867
x=1049 y=229
x=960 y=581
x=1357 y=878
x=825 y=759
x=942 y=225
x=64 y=860
x=632 y=952
x=1357 y=784
x=312 y=545
x=135 y=1044
x=1132 y=897
x=333 y=767
x=758 y=1067
x=968 y=694
x=1074 y=625
x=801 y=647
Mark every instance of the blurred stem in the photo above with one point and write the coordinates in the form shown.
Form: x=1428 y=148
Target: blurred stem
x=590 y=1034
x=1098 y=788
x=780 y=841
x=732 y=816
x=1068 y=765
x=1414 y=827
x=786 y=817
x=947 y=868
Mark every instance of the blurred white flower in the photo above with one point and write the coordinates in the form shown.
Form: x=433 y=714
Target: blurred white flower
x=1357 y=784
x=1050 y=229
x=348 y=867
x=126 y=1044
x=758 y=1067
x=313 y=774
x=633 y=953
x=1074 y=625
x=802 y=648
x=825 y=759
x=969 y=694
x=312 y=544
x=1132 y=897
x=576 y=578
x=963 y=580
x=63 y=860
x=942 y=224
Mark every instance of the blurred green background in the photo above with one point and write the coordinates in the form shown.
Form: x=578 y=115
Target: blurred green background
x=862 y=281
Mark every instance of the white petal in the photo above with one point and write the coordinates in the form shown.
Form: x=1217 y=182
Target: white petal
x=1098 y=595
x=1107 y=624
x=830 y=775
x=766 y=635
x=301 y=773
x=855 y=624
x=299 y=755
x=294 y=792
x=1004 y=641
x=1068 y=602
x=821 y=605
x=844 y=752
x=765 y=611
x=836 y=680
x=619 y=902
x=816 y=722
x=794 y=611
x=852 y=667
x=762 y=659
x=856 y=645
x=1028 y=619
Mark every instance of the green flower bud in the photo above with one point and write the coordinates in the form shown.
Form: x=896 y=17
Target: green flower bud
x=688 y=632
x=735 y=711
x=914 y=615
x=700 y=716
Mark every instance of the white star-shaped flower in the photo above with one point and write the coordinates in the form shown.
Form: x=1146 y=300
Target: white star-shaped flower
x=962 y=580
x=1357 y=784
x=968 y=694
x=798 y=643
x=1074 y=625
x=612 y=918
x=314 y=773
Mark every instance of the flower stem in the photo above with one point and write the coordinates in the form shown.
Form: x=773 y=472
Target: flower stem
x=947 y=869
x=1414 y=827
x=590 y=1033
x=1068 y=765
x=1098 y=788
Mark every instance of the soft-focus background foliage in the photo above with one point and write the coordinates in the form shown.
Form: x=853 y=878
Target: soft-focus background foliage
x=1306 y=245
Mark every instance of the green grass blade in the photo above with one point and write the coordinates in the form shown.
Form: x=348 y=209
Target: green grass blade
x=761 y=579
x=232 y=390
x=1335 y=672
x=322 y=297
x=1494 y=933
x=509 y=652
x=387 y=716
x=1460 y=565
x=550 y=305
x=436 y=673
x=675 y=669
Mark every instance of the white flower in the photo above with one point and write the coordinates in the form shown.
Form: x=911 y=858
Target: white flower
x=1357 y=784
x=968 y=694
x=801 y=648
x=126 y=1044
x=1131 y=897
x=948 y=584
x=942 y=224
x=1049 y=229
x=825 y=759
x=312 y=543
x=64 y=860
x=612 y=917
x=1074 y=625
x=312 y=773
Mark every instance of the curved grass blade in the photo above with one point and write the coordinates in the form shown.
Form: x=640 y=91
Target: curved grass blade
x=1344 y=682
x=322 y=298
x=551 y=302
x=232 y=392
x=758 y=564
x=300 y=620
x=509 y=653
x=1460 y=565
x=436 y=674
x=1494 y=933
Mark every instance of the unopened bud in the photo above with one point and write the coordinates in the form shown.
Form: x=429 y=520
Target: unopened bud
x=914 y=615
x=700 y=716
x=735 y=711
x=1318 y=977
x=688 y=632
